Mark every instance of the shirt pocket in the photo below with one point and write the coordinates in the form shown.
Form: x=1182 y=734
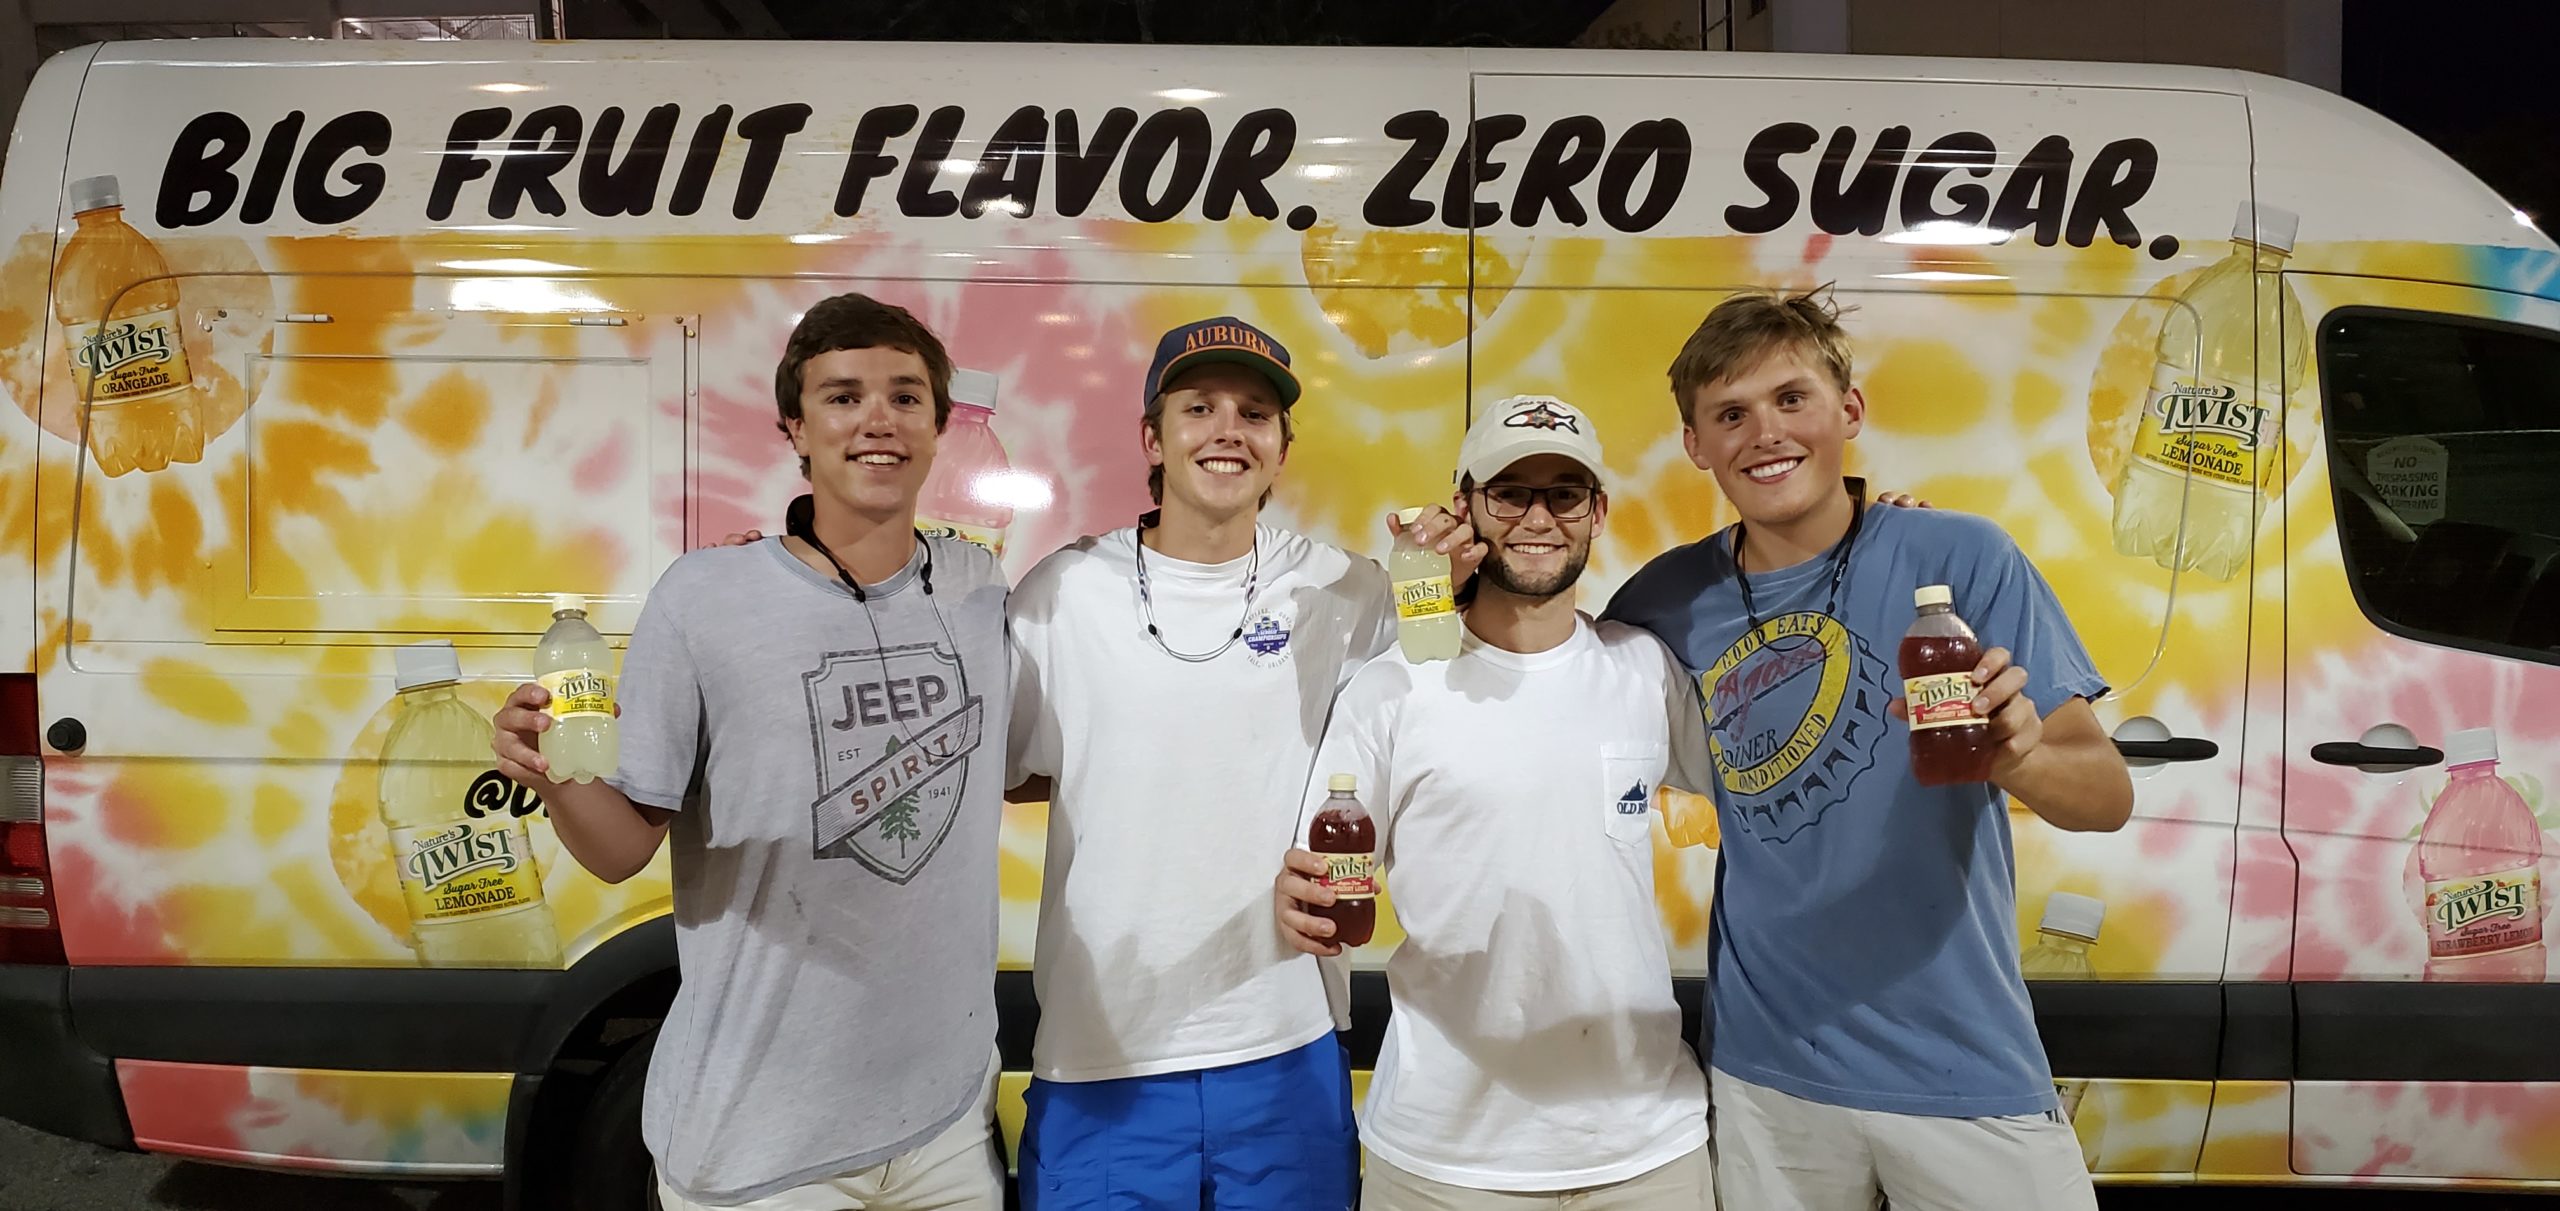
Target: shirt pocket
x=1629 y=773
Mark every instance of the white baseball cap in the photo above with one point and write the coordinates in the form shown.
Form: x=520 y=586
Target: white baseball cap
x=1527 y=425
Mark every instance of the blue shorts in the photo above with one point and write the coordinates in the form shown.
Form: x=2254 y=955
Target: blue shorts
x=1272 y=1135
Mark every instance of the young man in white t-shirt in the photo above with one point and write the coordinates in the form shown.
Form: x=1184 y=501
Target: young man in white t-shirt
x=1170 y=682
x=1534 y=1053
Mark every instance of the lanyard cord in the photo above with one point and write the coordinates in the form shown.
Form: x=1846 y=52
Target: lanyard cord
x=879 y=647
x=1839 y=568
x=1147 y=603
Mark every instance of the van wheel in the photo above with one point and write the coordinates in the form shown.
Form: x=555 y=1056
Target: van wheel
x=610 y=1168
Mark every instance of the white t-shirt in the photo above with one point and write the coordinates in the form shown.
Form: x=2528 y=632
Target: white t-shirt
x=1176 y=792
x=1535 y=1044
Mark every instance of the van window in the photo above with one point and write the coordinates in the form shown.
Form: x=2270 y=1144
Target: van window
x=2442 y=432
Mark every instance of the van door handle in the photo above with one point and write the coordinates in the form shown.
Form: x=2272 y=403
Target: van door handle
x=2346 y=753
x=2175 y=748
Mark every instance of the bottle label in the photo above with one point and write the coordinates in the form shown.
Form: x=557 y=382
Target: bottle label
x=992 y=540
x=1352 y=876
x=2484 y=914
x=1940 y=700
x=2211 y=428
x=465 y=869
x=129 y=358
x=1425 y=597
x=578 y=694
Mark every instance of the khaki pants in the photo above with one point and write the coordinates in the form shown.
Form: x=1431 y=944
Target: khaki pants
x=961 y=1169
x=1776 y=1152
x=1685 y=1184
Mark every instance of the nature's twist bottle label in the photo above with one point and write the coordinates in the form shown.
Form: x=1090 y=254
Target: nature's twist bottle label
x=129 y=358
x=1427 y=597
x=2205 y=426
x=1352 y=876
x=578 y=693
x=2484 y=914
x=1940 y=700
x=465 y=868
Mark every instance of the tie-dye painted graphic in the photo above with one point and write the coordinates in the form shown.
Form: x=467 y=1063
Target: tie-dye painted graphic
x=439 y=337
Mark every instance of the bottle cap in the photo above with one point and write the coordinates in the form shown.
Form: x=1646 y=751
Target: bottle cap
x=1406 y=517
x=420 y=664
x=2471 y=746
x=91 y=193
x=563 y=603
x=2077 y=916
x=1342 y=783
x=974 y=387
x=1932 y=594
x=2269 y=227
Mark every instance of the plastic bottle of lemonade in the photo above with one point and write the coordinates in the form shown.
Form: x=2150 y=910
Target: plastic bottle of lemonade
x=1427 y=624
x=969 y=466
x=576 y=665
x=468 y=875
x=2065 y=934
x=2480 y=854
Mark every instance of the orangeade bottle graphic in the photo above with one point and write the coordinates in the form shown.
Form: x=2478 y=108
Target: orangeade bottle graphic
x=475 y=899
x=2208 y=442
x=119 y=312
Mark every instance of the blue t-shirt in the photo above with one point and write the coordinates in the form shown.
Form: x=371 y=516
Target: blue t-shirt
x=1864 y=937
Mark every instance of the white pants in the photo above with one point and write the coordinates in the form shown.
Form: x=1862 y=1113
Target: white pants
x=1776 y=1152
x=961 y=1169
x=1686 y=1184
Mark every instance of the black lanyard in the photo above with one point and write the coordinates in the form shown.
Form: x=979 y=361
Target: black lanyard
x=1839 y=565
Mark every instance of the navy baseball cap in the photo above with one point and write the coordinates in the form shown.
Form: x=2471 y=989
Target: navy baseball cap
x=1224 y=339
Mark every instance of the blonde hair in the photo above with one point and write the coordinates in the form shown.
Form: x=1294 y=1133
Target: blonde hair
x=1750 y=326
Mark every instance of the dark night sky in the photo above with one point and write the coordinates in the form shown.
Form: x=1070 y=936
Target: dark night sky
x=2473 y=77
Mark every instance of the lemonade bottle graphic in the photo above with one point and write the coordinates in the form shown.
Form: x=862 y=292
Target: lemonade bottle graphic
x=2208 y=442
x=120 y=328
x=2064 y=935
x=475 y=898
x=2480 y=859
x=961 y=497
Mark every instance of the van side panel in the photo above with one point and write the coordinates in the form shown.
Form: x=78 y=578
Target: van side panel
x=408 y=1124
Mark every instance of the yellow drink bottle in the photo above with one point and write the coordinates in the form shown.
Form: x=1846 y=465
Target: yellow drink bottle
x=466 y=871
x=1427 y=622
x=576 y=665
x=2069 y=928
x=120 y=327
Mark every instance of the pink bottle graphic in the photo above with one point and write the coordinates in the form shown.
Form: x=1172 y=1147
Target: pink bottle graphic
x=963 y=495
x=2480 y=855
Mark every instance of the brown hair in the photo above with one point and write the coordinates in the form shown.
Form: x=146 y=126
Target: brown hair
x=1751 y=325
x=856 y=321
x=1153 y=418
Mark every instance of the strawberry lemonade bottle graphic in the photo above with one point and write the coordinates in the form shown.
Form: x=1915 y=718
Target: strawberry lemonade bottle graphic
x=2208 y=438
x=969 y=468
x=2480 y=855
x=119 y=312
x=475 y=898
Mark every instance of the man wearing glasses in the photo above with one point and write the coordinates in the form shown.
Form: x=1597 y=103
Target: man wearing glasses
x=1534 y=1048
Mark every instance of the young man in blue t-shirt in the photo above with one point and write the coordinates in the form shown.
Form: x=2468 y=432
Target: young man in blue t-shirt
x=1871 y=1034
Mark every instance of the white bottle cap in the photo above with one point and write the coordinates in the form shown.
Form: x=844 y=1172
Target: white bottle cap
x=91 y=193
x=1932 y=594
x=1409 y=516
x=2471 y=746
x=1342 y=784
x=2077 y=916
x=420 y=664
x=2270 y=227
x=562 y=603
x=974 y=387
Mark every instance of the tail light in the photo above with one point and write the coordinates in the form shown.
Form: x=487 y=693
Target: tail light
x=30 y=930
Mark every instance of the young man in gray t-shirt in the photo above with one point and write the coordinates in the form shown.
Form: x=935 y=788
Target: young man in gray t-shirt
x=819 y=723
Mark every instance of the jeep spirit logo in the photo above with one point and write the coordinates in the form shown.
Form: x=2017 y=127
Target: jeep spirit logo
x=893 y=732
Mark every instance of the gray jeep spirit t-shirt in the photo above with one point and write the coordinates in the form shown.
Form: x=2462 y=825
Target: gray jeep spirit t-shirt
x=838 y=790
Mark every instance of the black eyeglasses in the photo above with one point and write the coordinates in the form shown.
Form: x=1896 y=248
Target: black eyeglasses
x=1511 y=502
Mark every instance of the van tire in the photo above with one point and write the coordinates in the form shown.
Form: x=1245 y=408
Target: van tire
x=609 y=1165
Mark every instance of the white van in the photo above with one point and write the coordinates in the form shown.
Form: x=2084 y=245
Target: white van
x=310 y=342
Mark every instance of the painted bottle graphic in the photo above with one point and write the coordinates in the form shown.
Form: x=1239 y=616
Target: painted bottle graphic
x=2480 y=856
x=1427 y=623
x=2084 y=1103
x=466 y=870
x=2063 y=937
x=963 y=494
x=120 y=329
x=2208 y=442
x=576 y=665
